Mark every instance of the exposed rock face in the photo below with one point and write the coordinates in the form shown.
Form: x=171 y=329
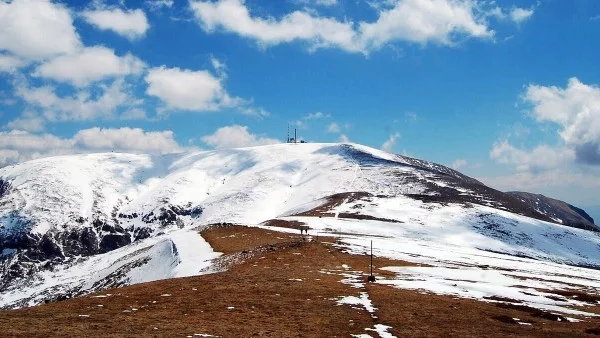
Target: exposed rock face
x=114 y=241
x=24 y=254
x=558 y=211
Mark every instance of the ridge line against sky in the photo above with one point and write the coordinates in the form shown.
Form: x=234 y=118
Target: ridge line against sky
x=505 y=91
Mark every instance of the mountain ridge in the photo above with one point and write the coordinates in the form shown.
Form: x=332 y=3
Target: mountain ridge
x=58 y=215
x=558 y=210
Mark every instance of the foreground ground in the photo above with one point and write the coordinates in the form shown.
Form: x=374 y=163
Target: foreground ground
x=278 y=285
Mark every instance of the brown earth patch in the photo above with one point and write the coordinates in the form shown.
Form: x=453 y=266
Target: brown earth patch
x=503 y=299
x=534 y=312
x=284 y=287
x=594 y=331
x=280 y=223
x=333 y=201
x=234 y=238
x=415 y=314
x=367 y=217
x=577 y=295
x=505 y=319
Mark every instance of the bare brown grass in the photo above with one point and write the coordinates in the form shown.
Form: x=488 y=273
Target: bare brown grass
x=284 y=287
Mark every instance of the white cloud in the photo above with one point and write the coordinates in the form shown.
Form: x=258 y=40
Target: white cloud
x=126 y=139
x=324 y=3
x=88 y=65
x=417 y=21
x=236 y=136
x=390 y=143
x=540 y=158
x=556 y=170
x=344 y=139
x=134 y=114
x=9 y=63
x=219 y=66
x=8 y=157
x=245 y=108
x=333 y=128
x=28 y=121
x=185 y=89
x=576 y=110
x=101 y=101
x=22 y=140
x=515 y=14
x=316 y=116
x=156 y=5
x=18 y=145
x=36 y=29
x=131 y=24
x=569 y=184
x=459 y=163
x=519 y=15
x=424 y=21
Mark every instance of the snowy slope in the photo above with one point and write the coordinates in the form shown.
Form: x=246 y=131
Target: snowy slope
x=72 y=224
x=559 y=211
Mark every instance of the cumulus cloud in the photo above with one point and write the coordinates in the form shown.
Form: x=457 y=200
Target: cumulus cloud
x=18 y=145
x=519 y=15
x=88 y=65
x=184 y=89
x=28 y=121
x=131 y=24
x=575 y=109
x=573 y=161
x=540 y=158
x=416 y=21
x=344 y=139
x=390 y=143
x=102 y=101
x=236 y=136
x=22 y=140
x=9 y=63
x=126 y=139
x=36 y=29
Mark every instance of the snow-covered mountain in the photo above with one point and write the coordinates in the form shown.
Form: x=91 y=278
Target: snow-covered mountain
x=559 y=211
x=73 y=224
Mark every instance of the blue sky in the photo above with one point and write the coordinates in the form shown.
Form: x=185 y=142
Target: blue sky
x=503 y=91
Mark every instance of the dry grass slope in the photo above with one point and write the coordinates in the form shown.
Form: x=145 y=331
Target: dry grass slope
x=277 y=285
